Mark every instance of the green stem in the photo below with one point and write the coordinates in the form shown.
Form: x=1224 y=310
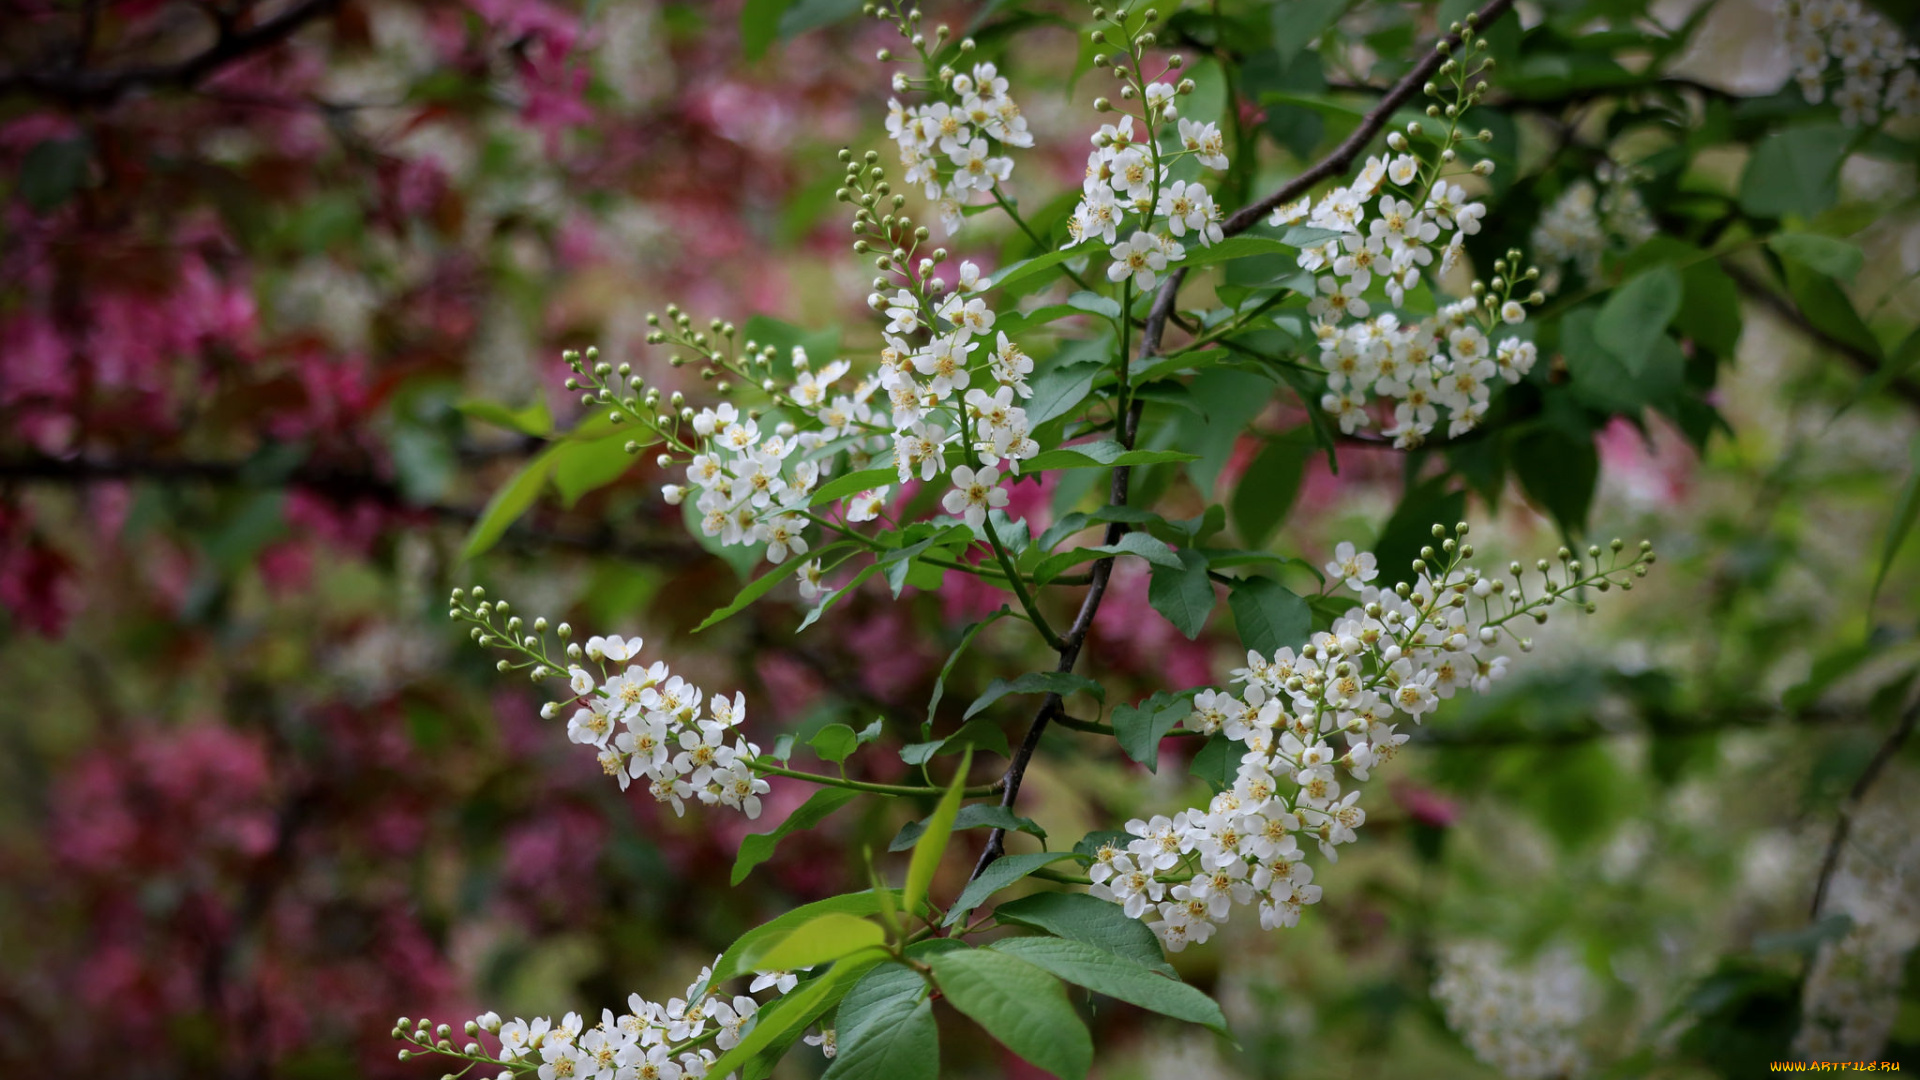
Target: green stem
x=1014 y=579
x=764 y=766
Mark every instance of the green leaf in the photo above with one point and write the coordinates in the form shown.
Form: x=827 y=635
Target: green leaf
x=1183 y=595
x=1795 y=171
x=513 y=499
x=1827 y=306
x=1711 y=313
x=853 y=484
x=1140 y=727
x=819 y=940
x=782 y=1021
x=761 y=586
x=1094 y=304
x=758 y=847
x=1234 y=247
x=1019 y=1004
x=1104 y=973
x=878 y=1000
x=1218 y=762
x=981 y=734
x=1834 y=258
x=999 y=874
x=946 y=669
x=1635 y=317
x=728 y=966
x=1059 y=389
x=1271 y=483
x=805 y=15
x=759 y=25
x=1268 y=616
x=1298 y=22
x=933 y=843
x=1559 y=473
x=1903 y=357
x=905 y=1047
x=834 y=743
x=1089 y=919
x=1026 y=271
x=1100 y=454
x=971 y=816
x=1411 y=528
x=1902 y=524
x=529 y=419
x=1064 y=683
x=1147 y=547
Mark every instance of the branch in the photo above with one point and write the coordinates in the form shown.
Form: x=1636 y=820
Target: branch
x=81 y=88
x=1164 y=302
x=1868 y=364
x=1342 y=158
x=335 y=484
x=1844 y=825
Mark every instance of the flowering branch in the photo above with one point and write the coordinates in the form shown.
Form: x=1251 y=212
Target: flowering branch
x=1163 y=307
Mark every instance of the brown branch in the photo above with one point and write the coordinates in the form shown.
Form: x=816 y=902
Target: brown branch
x=1333 y=164
x=1844 y=825
x=339 y=485
x=1867 y=363
x=81 y=88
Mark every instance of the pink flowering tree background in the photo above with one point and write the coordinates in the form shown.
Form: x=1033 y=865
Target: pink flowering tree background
x=288 y=293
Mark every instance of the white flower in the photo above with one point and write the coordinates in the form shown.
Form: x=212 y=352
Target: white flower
x=1356 y=568
x=973 y=494
x=1139 y=257
x=868 y=504
x=1205 y=142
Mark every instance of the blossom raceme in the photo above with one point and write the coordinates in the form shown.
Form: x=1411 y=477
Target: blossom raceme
x=676 y=1040
x=1312 y=724
x=643 y=722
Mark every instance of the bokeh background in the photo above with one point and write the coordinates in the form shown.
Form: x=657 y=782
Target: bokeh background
x=277 y=319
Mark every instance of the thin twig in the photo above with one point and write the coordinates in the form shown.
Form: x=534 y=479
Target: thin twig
x=1333 y=164
x=1844 y=824
x=1867 y=363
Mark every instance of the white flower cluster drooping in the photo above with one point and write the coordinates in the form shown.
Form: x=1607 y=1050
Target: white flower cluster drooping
x=1852 y=994
x=650 y=1041
x=946 y=144
x=1519 y=1020
x=1447 y=360
x=1586 y=222
x=1129 y=191
x=1312 y=725
x=643 y=721
x=1849 y=42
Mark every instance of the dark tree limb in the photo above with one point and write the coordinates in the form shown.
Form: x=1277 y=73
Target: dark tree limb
x=1865 y=362
x=81 y=88
x=1334 y=164
x=337 y=484
x=1844 y=824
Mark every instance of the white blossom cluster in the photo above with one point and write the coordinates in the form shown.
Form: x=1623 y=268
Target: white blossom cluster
x=1521 y=1020
x=1872 y=58
x=1312 y=725
x=1587 y=221
x=946 y=145
x=1447 y=360
x=650 y=1041
x=643 y=721
x=1852 y=994
x=1130 y=191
